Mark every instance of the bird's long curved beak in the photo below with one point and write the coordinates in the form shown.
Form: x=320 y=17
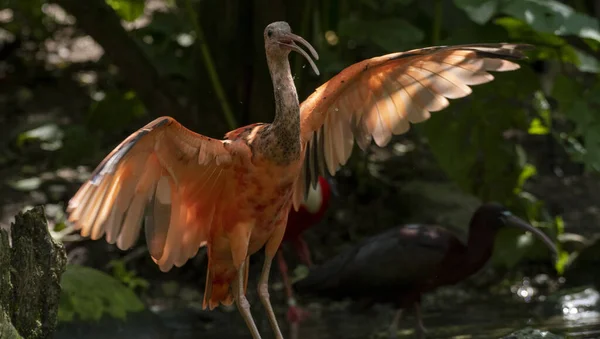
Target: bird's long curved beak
x=514 y=221
x=289 y=39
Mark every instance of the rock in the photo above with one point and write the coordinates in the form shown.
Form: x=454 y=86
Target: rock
x=30 y=272
x=531 y=333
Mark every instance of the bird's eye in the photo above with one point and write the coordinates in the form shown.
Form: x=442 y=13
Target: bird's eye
x=269 y=33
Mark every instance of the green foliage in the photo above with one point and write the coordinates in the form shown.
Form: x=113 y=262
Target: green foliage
x=468 y=137
x=480 y=11
x=127 y=277
x=544 y=16
x=580 y=104
x=128 y=10
x=89 y=294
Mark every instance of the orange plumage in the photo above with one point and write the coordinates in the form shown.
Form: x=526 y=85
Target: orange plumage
x=233 y=195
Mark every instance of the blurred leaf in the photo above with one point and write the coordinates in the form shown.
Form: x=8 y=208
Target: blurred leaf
x=89 y=294
x=117 y=110
x=541 y=125
x=29 y=184
x=468 y=140
x=128 y=10
x=581 y=106
x=511 y=246
x=528 y=171
x=480 y=11
x=554 y=17
x=586 y=62
x=537 y=127
x=127 y=277
x=563 y=256
x=48 y=133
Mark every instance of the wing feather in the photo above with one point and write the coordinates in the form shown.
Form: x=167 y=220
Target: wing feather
x=164 y=174
x=380 y=97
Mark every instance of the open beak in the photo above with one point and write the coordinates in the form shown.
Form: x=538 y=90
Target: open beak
x=288 y=41
x=511 y=220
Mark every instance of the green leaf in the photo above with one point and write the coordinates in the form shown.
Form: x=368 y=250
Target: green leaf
x=580 y=104
x=541 y=125
x=554 y=17
x=528 y=171
x=537 y=128
x=89 y=294
x=128 y=10
x=480 y=11
x=586 y=62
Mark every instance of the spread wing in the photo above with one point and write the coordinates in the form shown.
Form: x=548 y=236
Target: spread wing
x=166 y=173
x=379 y=97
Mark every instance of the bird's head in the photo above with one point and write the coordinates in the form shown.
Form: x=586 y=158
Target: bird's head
x=279 y=41
x=496 y=216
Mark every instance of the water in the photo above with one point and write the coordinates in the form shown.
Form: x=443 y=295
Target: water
x=571 y=314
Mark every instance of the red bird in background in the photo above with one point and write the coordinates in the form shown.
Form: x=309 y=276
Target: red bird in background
x=311 y=211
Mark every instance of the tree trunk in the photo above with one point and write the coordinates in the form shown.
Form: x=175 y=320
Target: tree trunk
x=30 y=272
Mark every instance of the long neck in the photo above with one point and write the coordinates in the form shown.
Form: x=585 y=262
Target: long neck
x=287 y=116
x=282 y=140
x=480 y=245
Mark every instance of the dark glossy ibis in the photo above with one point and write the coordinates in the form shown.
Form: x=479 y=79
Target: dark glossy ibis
x=400 y=264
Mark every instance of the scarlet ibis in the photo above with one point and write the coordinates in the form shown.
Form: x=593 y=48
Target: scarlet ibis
x=233 y=195
x=402 y=263
x=311 y=211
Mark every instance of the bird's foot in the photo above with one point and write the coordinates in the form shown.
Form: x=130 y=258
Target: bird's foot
x=296 y=314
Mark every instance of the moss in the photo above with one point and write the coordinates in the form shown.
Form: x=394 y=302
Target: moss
x=30 y=274
x=7 y=330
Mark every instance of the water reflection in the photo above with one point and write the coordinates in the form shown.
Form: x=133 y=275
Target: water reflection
x=573 y=314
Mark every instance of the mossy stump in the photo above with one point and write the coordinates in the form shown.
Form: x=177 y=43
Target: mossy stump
x=30 y=272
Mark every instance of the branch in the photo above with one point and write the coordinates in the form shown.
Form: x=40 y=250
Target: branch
x=103 y=24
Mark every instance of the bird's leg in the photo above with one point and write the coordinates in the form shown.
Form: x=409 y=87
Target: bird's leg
x=242 y=303
x=284 y=273
x=303 y=252
x=394 y=324
x=271 y=248
x=263 y=293
x=420 y=329
x=295 y=314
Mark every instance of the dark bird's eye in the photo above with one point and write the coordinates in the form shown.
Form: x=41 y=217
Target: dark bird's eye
x=269 y=33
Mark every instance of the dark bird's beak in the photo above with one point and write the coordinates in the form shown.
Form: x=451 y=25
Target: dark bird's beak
x=514 y=221
x=288 y=41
